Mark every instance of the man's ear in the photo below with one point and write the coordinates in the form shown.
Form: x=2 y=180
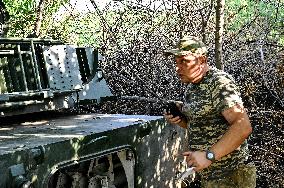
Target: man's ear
x=202 y=59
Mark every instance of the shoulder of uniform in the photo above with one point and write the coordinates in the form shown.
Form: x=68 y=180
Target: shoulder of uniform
x=219 y=76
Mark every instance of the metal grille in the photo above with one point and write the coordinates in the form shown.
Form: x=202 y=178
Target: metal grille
x=62 y=67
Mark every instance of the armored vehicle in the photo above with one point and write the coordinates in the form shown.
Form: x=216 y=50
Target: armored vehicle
x=42 y=147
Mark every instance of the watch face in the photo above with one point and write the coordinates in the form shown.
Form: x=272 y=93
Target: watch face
x=210 y=155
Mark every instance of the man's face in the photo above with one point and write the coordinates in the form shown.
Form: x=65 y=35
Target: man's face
x=188 y=68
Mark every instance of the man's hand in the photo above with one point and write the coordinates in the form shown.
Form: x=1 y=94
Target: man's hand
x=175 y=120
x=171 y=119
x=197 y=159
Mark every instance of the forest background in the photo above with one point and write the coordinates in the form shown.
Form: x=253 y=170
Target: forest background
x=245 y=38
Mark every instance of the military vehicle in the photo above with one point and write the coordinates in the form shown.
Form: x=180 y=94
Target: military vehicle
x=41 y=147
x=46 y=141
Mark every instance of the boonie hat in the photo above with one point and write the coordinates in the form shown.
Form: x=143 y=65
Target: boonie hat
x=186 y=45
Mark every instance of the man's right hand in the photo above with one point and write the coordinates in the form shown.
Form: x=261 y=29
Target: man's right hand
x=175 y=120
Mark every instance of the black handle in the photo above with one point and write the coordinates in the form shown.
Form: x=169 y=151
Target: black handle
x=172 y=108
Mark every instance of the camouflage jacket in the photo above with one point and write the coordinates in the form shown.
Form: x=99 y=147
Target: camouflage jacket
x=203 y=104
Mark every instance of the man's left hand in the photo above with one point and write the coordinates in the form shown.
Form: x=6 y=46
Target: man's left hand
x=197 y=159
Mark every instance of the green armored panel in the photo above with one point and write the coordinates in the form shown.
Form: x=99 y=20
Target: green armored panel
x=131 y=151
x=41 y=66
x=14 y=71
x=29 y=71
x=3 y=72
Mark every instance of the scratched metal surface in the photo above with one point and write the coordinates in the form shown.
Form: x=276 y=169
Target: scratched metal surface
x=31 y=134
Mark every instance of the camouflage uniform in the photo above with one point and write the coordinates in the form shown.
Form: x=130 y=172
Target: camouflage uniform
x=203 y=104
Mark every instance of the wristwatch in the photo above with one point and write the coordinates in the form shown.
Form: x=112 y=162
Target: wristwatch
x=210 y=155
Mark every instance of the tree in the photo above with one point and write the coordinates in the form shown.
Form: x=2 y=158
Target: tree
x=219 y=33
x=39 y=17
x=26 y=16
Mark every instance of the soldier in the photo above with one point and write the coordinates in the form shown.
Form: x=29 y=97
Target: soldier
x=215 y=118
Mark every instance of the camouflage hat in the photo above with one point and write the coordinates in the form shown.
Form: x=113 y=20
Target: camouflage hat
x=186 y=45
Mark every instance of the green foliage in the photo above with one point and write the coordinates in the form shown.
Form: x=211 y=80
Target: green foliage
x=23 y=15
x=123 y=27
x=261 y=19
x=89 y=30
x=265 y=19
x=238 y=13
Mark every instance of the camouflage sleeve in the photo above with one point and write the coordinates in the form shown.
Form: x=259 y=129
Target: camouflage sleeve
x=225 y=93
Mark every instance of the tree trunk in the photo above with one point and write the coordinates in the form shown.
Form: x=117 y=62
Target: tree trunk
x=4 y=17
x=219 y=33
x=39 y=18
x=205 y=20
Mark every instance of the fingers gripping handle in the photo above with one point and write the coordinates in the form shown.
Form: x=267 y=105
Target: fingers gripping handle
x=173 y=109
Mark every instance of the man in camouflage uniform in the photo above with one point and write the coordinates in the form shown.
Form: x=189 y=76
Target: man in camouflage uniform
x=216 y=120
